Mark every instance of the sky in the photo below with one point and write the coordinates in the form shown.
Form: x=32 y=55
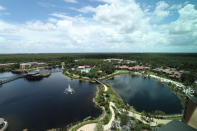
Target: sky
x=68 y=26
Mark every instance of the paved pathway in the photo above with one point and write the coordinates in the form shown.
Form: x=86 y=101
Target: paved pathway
x=108 y=126
x=88 y=127
x=154 y=123
x=91 y=127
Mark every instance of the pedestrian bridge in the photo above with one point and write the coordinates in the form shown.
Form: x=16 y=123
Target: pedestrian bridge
x=9 y=79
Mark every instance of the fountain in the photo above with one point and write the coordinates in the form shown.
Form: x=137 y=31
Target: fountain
x=69 y=90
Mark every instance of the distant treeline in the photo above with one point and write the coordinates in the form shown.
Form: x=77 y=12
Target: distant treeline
x=177 y=60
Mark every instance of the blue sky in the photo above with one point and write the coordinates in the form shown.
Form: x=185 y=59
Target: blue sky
x=44 y=26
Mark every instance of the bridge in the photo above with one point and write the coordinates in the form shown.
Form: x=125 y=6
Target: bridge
x=99 y=82
x=9 y=79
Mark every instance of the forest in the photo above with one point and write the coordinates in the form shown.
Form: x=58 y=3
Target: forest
x=186 y=62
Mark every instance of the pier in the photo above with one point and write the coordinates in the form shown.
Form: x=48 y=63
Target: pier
x=12 y=79
x=35 y=75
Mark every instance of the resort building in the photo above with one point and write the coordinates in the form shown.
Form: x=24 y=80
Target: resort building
x=189 y=120
x=129 y=61
x=30 y=64
x=123 y=67
x=113 y=59
x=171 y=72
x=190 y=111
x=85 y=69
x=7 y=64
x=25 y=66
x=176 y=125
x=133 y=67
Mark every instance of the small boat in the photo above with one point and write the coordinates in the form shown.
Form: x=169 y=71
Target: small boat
x=69 y=90
x=3 y=124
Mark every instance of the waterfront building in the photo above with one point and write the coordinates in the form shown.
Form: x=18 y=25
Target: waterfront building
x=189 y=120
x=175 y=125
x=190 y=111
x=25 y=66
x=8 y=64
x=30 y=64
x=85 y=69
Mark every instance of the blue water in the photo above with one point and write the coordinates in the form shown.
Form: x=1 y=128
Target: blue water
x=85 y=70
x=146 y=94
x=41 y=105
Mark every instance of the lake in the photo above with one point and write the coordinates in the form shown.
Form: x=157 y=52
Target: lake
x=41 y=105
x=146 y=94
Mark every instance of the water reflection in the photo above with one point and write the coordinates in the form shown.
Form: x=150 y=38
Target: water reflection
x=41 y=105
x=146 y=94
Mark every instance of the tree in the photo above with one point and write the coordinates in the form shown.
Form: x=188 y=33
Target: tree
x=124 y=118
x=188 y=78
x=99 y=127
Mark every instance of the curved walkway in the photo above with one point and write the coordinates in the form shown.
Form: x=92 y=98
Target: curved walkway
x=154 y=123
x=88 y=127
x=91 y=127
x=108 y=126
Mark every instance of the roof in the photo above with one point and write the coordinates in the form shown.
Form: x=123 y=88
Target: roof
x=25 y=64
x=1 y=120
x=176 y=125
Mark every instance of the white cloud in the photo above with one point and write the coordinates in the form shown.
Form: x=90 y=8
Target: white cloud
x=2 y=8
x=86 y=9
x=183 y=31
x=71 y=1
x=175 y=6
x=116 y=26
x=161 y=11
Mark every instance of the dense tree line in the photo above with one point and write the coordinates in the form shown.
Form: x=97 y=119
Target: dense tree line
x=186 y=62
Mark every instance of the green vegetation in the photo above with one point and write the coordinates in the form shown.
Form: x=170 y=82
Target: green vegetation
x=181 y=62
x=114 y=97
x=101 y=101
x=124 y=118
x=102 y=70
x=99 y=127
x=184 y=62
x=9 y=68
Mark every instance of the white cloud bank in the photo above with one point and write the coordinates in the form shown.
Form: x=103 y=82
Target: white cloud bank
x=116 y=26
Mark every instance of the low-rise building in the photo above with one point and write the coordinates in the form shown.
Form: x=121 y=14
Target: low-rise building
x=30 y=64
x=85 y=69
x=172 y=72
x=190 y=111
x=113 y=59
x=133 y=67
x=123 y=67
x=189 y=120
x=139 y=68
x=7 y=64
x=25 y=66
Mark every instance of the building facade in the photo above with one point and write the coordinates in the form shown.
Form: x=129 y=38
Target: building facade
x=190 y=111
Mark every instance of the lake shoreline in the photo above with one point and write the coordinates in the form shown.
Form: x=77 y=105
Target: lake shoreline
x=172 y=85
x=111 y=76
